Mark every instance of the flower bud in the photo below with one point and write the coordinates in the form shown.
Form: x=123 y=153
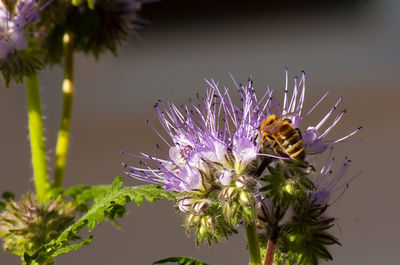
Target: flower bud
x=192 y=220
x=245 y=198
x=208 y=222
x=201 y=234
x=289 y=188
x=185 y=204
x=240 y=182
x=230 y=210
x=21 y=223
x=226 y=177
x=248 y=214
x=200 y=206
x=228 y=193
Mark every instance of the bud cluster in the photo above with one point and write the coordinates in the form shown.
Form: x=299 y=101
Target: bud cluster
x=27 y=225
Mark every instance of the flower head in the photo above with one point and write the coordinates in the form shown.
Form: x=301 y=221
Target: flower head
x=27 y=225
x=214 y=140
x=219 y=152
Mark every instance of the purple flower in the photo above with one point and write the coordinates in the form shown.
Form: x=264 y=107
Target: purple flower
x=330 y=185
x=313 y=137
x=12 y=24
x=214 y=140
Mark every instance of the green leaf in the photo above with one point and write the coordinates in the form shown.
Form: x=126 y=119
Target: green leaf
x=8 y=196
x=105 y=206
x=181 y=261
x=71 y=247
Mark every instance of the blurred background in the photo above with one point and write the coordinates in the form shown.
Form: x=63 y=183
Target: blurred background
x=348 y=47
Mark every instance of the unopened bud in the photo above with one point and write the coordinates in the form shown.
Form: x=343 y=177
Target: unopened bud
x=185 y=204
x=240 y=182
x=244 y=198
x=200 y=206
x=192 y=220
x=208 y=222
x=201 y=233
x=230 y=210
x=228 y=193
x=248 y=214
x=289 y=188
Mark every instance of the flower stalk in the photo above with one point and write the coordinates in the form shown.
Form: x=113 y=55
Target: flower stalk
x=253 y=243
x=36 y=136
x=269 y=256
x=68 y=92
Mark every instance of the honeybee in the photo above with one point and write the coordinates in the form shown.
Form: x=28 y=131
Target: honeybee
x=282 y=137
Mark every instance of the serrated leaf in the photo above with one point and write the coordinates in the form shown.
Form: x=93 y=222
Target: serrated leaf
x=109 y=204
x=71 y=247
x=181 y=261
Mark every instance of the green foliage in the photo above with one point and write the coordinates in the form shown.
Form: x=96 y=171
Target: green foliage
x=181 y=261
x=19 y=64
x=305 y=238
x=286 y=183
x=26 y=225
x=107 y=203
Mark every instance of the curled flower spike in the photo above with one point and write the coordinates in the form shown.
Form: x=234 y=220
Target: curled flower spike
x=13 y=22
x=331 y=186
x=313 y=139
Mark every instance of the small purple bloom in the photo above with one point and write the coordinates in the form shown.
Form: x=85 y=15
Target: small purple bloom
x=12 y=24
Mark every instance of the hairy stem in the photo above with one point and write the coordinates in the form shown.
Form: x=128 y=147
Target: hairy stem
x=269 y=256
x=36 y=137
x=68 y=92
x=254 y=246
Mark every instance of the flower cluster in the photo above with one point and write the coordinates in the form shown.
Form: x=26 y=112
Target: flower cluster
x=26 y=225
x=13 y=21
x=226 y=159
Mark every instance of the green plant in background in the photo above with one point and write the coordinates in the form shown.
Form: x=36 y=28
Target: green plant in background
x=226 y=165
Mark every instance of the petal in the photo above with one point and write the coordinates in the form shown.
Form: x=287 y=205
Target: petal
x=226 y=177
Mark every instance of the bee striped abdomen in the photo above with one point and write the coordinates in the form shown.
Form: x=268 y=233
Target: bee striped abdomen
x=293 y=144
x=286 y=141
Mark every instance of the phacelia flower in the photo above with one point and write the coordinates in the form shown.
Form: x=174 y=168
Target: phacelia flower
x=213 y=142
x=330 y=185
x=217 y=154
x=13 y=23
x=112 y=23
x=314 y=139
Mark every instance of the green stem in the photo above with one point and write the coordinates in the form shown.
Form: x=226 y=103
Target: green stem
x=68 y=92
x=36 y=135
x=253 y=244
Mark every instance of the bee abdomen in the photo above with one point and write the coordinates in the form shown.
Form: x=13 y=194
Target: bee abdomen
x=291 y=139
x=299 y=155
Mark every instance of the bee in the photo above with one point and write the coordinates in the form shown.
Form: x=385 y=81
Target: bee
x=282 y=137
